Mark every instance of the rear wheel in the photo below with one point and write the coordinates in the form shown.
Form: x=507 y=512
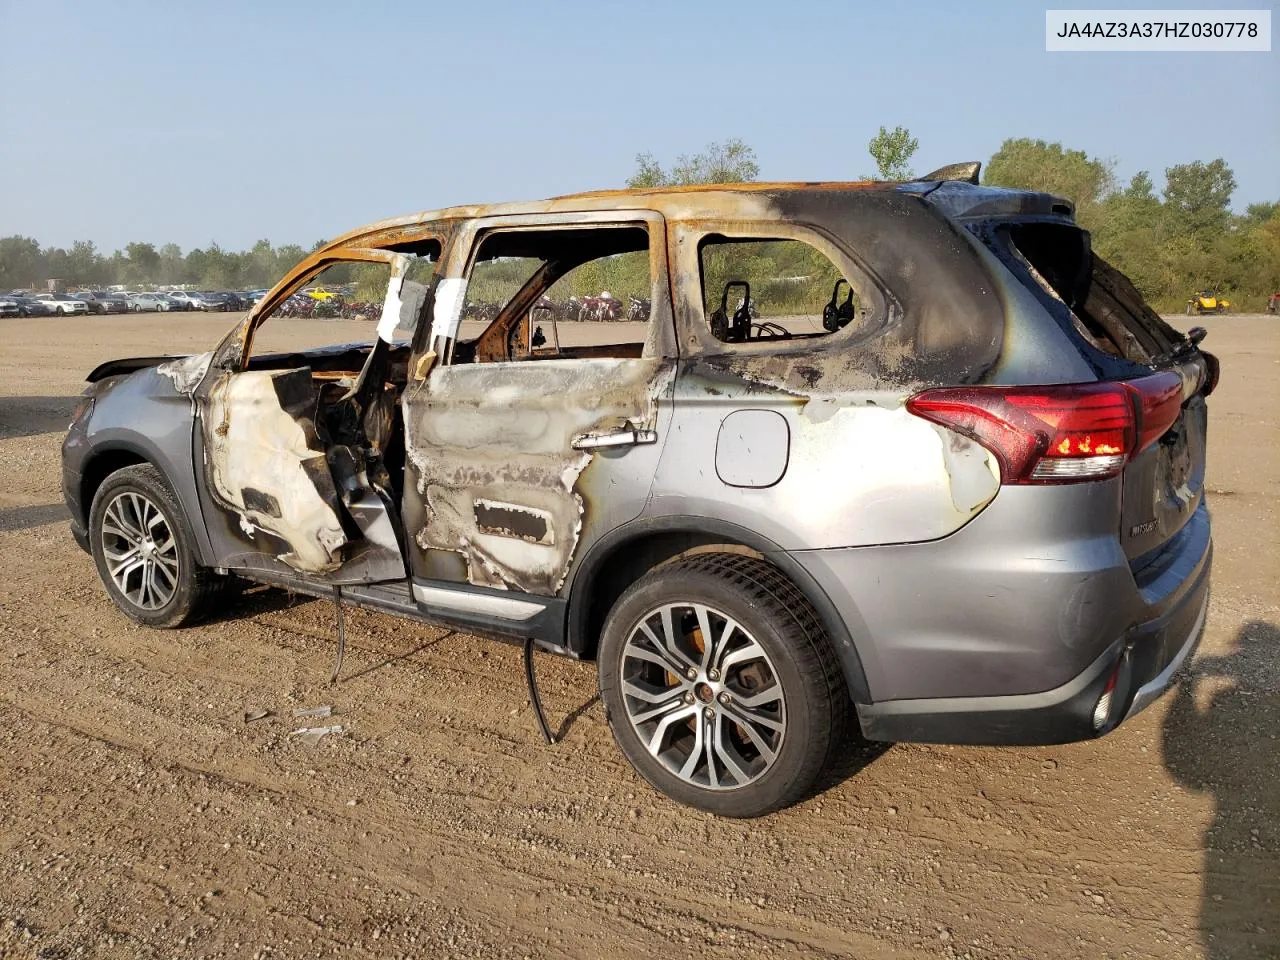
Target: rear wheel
x=721 y=686
x=144 y=551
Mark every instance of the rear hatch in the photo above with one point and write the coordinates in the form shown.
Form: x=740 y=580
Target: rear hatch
x=1124 y=339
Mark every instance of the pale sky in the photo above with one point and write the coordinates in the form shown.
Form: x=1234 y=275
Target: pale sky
x=294 y=121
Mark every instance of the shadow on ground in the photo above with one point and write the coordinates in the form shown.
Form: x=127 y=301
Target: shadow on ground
x=29 y=416
x=13 y=519
x=1222 y=737
x=246 y=599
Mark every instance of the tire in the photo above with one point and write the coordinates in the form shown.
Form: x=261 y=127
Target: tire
x=179 y=590
x=705 y=756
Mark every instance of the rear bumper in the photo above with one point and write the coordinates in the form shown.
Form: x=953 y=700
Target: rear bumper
x=1147 y=658
x=1009 y=630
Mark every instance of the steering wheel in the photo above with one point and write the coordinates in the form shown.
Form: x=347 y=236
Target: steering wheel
x=768 y=330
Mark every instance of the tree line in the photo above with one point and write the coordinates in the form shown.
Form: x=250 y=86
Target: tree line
x=24 y=263
x=1171 y=242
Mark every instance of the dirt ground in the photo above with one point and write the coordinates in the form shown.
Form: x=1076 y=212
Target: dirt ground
x=141 y=817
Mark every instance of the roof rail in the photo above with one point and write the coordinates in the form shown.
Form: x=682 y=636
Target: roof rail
x=966 y=171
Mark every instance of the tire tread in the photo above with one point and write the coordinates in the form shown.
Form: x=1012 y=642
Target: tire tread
x=774 y=598
x=206 y=586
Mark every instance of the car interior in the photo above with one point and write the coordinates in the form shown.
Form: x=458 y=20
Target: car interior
x=760 y=289
x=353 y=391
x=524 y=330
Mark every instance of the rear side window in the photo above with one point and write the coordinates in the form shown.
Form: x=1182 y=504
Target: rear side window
x=1106 y=307
x=756 y=289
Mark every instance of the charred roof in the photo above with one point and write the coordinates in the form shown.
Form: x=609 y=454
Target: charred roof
x=717 y=201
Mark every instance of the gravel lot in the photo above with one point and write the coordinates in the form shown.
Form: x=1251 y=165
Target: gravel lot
x=141 y=817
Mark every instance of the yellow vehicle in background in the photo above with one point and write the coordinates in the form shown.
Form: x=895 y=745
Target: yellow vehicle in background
x=320 y=294
x=1206 y=301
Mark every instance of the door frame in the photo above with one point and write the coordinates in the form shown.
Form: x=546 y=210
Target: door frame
x=373 y=560
x=435 y=355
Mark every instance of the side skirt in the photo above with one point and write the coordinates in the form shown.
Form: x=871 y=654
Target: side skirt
x=493 y=614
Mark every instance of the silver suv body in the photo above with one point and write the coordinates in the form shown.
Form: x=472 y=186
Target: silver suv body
x=961 y=499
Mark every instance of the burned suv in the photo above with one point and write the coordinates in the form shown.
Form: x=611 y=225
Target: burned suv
x=909 y=456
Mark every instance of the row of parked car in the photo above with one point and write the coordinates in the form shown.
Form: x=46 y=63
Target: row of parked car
x=21 y=303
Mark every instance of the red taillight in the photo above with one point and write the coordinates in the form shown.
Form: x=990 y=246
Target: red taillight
x=1058 y=434
x=1158 y=400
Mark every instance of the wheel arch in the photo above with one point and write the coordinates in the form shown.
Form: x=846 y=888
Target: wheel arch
x=121 y=452
x=624 y=555
x=101 y=464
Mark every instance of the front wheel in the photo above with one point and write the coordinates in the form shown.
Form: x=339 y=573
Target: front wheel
x=144 y=550
x=721 y=686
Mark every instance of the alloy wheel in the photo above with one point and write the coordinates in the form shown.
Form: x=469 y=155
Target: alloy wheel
x=703 y=696
x=140 y=550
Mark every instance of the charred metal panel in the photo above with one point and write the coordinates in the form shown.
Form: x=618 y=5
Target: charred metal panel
x=144 y=415
x=933 y=314
x=861 y=470
x=186 y=372
x=125 y=365
x=265 y=464
x=258 y=501
x=513 y=520
x=498 y=480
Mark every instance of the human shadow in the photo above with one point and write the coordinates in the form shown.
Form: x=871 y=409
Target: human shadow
x=30 y=416
x=1224 y=740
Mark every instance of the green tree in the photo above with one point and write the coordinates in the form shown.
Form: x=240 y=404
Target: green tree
x=173 y=267
x=143 y=263
x=21 y=262
x=85 y=265
x=727 y=161
x=57 y=265
x=649 y=173
x=1125 y=231
x=1259 y=213
x=1197 y=195
x=287 y=257
x=892 y=151
x=194 y=267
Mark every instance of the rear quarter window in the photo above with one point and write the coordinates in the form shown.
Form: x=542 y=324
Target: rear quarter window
x=1056 y=260
x=764 y=289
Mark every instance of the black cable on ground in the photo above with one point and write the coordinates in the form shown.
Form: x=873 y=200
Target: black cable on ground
x=532 y=680
x=342 y=636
